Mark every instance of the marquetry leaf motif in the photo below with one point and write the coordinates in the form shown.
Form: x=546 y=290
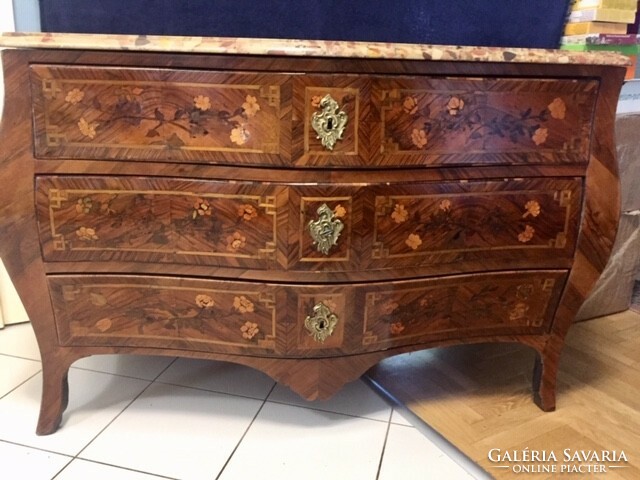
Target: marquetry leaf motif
x=470 y=305
x=212 y=225
x=136 y=112
x=489 y=116
x=130 y=312
x=423 y=224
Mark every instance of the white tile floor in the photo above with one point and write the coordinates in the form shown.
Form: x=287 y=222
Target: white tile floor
x=144 y=418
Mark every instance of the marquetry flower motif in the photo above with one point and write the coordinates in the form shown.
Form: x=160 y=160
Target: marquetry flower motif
x=455 y=105
x=315 y=101
x=419 y=138
x=74 y=96
x=83 y=205
x=243 y=305
x=399 y=214
x=204 y=301
x=413 y=241
x=339 y=211
x=201 y=208
x=250 y=106
x=388 y=307
x=540 y=136
x=527 y=235
x=445 y=205
x=202 y=103
x=524 y=291
x=247 y=212
x=239 y=136
x=410 y=105
x=532 y=208
x=396 y=328
x=87 y=129
x=236 y=241
x=103 y=324
x=86 y=234
x=249 y=330
x=557 y=108
x=519 y=311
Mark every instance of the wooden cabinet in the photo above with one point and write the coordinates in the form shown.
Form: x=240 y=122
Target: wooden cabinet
x=307 y=216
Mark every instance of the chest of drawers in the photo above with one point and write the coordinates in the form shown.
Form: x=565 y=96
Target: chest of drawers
x=304 y=208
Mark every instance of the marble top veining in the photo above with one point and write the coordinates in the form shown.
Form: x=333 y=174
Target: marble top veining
x=304 y=48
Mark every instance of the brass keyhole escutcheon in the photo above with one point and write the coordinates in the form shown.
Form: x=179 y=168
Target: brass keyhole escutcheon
x=329 y=123
x=325 y=231
x=321 y=324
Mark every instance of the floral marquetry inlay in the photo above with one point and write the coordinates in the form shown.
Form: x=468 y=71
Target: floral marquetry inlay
x=125 y=109
x=483 y=116
x=439 y=306
x=121 y=219
x=477 y=120
x=132 y=312
x=473 y=220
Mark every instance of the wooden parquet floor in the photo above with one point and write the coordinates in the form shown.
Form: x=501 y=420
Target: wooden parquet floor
x=479 y=397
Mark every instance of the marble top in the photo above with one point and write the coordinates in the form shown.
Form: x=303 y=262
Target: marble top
x=304 y=48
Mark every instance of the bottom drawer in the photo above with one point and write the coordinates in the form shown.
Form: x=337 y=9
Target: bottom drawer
x=295 y=320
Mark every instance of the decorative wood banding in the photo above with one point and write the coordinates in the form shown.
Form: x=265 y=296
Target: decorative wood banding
x=160 y=114
x=273 y=319
x=504 y=176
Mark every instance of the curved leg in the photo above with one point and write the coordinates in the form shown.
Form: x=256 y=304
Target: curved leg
x=545 y=374
x=55 y=394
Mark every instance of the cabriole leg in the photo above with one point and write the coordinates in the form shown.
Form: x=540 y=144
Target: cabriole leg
x=545 y=373
x=55 y=395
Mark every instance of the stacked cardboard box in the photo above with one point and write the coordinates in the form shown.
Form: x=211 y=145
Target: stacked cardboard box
x=601 y=16
x=605 y=25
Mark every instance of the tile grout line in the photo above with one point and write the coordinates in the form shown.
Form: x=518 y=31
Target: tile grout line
x=219 y=392
x=307 y=407
x=152 y=475
x=20 y=357
x=120 y=374
x=264 y=402
x=450 y=450
x=40 y=449
x=64 y=466
x=117 y=416
x=20 y=384
x=384 y=444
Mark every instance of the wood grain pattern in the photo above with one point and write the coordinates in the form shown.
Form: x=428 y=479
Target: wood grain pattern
x=159 y=114
x=257 y=225
x=210 y=315
x=512 y=173
x=482 y=121
x=455 y=222
x=174 y=313
x=150 y=220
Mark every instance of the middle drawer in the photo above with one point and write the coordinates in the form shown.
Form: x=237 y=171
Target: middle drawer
x=512 y=223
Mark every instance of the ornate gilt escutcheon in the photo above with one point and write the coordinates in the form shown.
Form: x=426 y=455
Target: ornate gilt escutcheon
x=321 y=324
x=330 y=123
x=325 y=231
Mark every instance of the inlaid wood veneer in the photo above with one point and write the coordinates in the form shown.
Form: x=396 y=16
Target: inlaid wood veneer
x=303 y=214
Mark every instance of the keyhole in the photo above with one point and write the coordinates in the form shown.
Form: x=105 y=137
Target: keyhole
x=321 y=325
x=330 y=124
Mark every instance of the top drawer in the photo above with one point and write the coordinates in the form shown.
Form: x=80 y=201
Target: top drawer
x=272 y=119
x=160 y=114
